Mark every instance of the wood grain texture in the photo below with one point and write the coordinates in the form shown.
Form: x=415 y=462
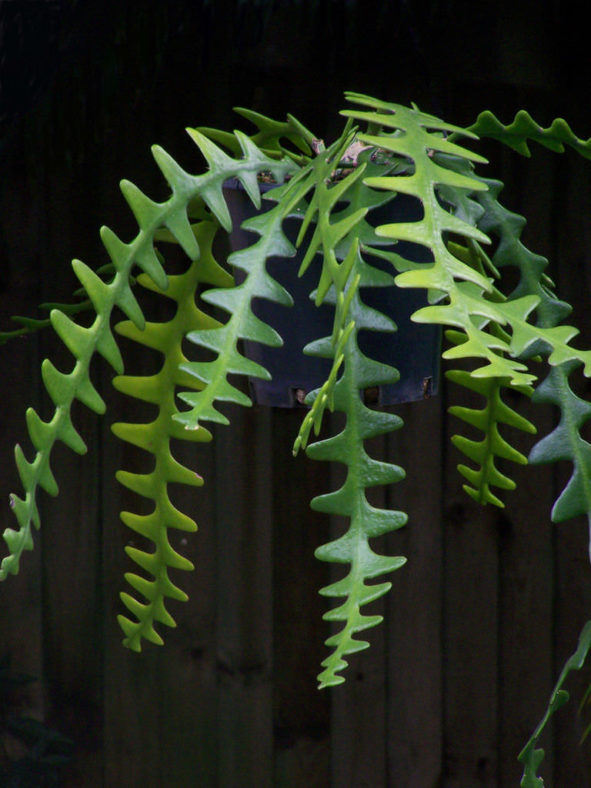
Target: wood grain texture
x=572 y=570
x=21 y=623
x=526 y=534
x=302 y=744
x=470 y=630
x=414 y=607
x=244 y=631
x=477 y=624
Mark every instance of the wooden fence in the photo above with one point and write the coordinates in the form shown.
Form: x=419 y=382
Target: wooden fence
x=477 y=624
x=488 y=607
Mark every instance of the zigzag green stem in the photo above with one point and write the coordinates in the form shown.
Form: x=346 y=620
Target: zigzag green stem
x=350 y=501
x=413 y=138
x=508 y=226
x=530 y=757
x=492 y=445
x=530 y=293
x=524 y=128
x=269 y=135
x=339 y=243
x=324 y=397
x=155 y=437
x=242 y=323
x=345 y=288
x=487 y=419
x=546 y=337
x=29 y=325
x=566 y=443
x=65 y=387
x=327 y=235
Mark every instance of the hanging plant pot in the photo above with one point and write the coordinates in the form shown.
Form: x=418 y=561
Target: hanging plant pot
x=414 y=349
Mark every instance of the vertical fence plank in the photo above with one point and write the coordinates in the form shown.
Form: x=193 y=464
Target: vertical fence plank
x=20 y=595
x=413 y=614
x=526 y=561
x=189 y=682
x=301 y=711
x=470 y=640
x=526 y=612
x=573 y=573
x=71 y=665
x=572 y=759
x=72 y=611
x=71 y=538
x=244 y=473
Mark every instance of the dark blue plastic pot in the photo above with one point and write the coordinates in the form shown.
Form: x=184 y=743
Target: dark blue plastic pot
x=414 y=349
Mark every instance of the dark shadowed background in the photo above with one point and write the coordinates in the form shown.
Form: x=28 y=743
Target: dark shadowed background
x=491 y=602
